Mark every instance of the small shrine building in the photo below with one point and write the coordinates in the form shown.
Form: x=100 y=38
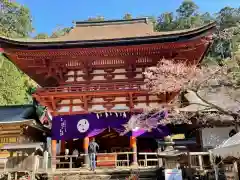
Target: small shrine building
x=91 y=77
x=21 y=130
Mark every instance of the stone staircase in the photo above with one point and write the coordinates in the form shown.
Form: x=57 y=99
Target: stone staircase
x=111 y=175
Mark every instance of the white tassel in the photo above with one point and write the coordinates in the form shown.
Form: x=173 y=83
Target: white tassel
x=110 y=113
x=97 y=115
x=116 y=114
x=124 y=115
x=106 y=114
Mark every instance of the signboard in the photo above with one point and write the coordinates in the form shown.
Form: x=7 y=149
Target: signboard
x=178 y=136
x=173 y=174
x=8 y=140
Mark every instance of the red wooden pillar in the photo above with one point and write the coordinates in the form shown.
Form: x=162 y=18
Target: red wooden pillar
x=85 y=147
x=54 y=153
x=133 y=144
x=63 y=147
x=70 y=146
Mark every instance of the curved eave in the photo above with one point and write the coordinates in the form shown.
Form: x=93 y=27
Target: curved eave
x=173 y=37
x=30 y=122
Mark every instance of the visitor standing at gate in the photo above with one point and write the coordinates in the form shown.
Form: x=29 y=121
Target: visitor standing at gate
x=92 y=150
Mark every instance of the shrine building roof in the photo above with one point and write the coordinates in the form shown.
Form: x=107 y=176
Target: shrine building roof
x=21 y=114
x=17 y=113
x=109 y=33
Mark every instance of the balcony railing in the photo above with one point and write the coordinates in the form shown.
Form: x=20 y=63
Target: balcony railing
x=92 y=88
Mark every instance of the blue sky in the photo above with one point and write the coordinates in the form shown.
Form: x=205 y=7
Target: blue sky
x=48 y=14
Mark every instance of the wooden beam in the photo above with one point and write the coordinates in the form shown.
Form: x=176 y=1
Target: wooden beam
x=104 y=81
x=131 y=100
x=86 y=112
x=99 y=94
x=85 y=103
x=54 y=108
x=149 y=48
x=71 y=107
x=104 y=103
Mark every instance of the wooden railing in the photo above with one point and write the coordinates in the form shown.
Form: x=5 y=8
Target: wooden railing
x=26 y=163
x=91 y=88
x=121 y=160
x=149 y=159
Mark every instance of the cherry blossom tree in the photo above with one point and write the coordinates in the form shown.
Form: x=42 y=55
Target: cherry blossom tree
x=167 y=76
x=170 y=76
x=199 y=81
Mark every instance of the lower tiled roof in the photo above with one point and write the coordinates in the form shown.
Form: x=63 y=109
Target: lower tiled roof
x=16 y=113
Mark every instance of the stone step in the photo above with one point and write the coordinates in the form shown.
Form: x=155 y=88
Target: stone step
x=109 y=176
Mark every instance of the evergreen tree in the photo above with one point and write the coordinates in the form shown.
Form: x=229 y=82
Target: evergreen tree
x=15 y=22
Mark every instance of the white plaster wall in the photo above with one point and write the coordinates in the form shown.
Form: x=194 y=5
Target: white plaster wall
x=77 y=108
x=65 y=101
x=76 y=101
x=98 y=78
x=153 y=98
x=64 y=109
x=79 y=79
x=120 y=77
x=80 y=73
x=140 y=105
x=95 y=100
x=70 y=79
x=120 y=99
x=139 y=76
x=141 y=98
x=70 y=73
x=119 y=70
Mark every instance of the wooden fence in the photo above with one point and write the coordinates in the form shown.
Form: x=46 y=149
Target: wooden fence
x=68 y=163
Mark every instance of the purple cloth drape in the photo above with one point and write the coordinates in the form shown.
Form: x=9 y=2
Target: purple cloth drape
x=159 y=132
x=95 y=132
x=79 y=126
x=138 y=132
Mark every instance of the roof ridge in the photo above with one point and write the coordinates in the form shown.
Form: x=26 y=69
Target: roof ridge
x=111 y=22
x=15 y=106
x=59 y=40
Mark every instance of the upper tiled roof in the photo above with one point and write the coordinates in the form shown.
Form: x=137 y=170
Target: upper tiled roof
x=110 y=30
x=113 y=30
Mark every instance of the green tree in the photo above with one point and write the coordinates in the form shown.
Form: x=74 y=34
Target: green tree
x=15 y=22
x=41 y=36
x=227 y=37
x=207 y=18
x=96 y=19
x=12 y=84
x=228 y=17
x=15 y=19
x=60 y=32
x=127 y=16
x=188 y=17
x=166 y=22
x=187 y=9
